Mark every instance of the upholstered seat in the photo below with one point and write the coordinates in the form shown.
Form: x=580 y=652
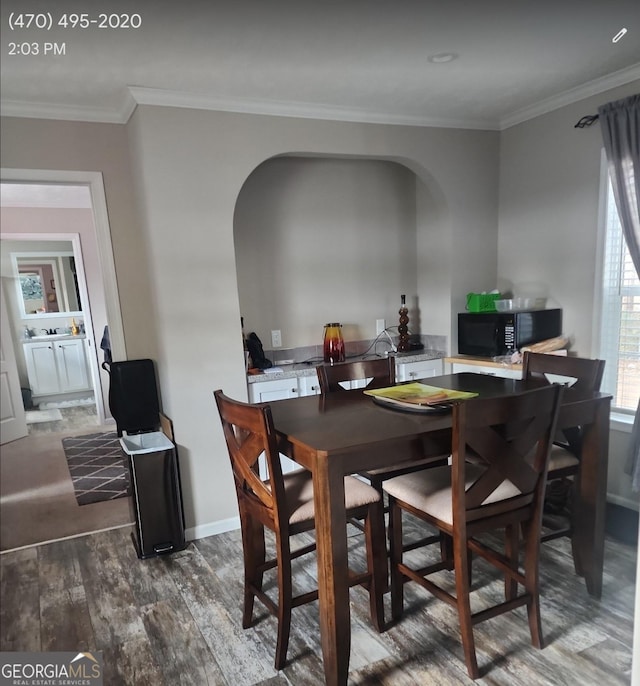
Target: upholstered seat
x=430 y=490
x=561 y=458
x=298 y=491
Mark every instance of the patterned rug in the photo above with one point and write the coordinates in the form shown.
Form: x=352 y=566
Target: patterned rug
x=98 y=467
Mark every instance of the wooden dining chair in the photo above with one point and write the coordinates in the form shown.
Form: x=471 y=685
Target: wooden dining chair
x=284 y=504
x=502 y=489
x=376 y=373
x=583 y=375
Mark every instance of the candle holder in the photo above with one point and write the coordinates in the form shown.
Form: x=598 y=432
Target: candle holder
x=403 y=329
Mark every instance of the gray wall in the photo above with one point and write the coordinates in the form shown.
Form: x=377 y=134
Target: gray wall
x=81 y=146
x=173 y=235
x=191 y=167
x=320 y=240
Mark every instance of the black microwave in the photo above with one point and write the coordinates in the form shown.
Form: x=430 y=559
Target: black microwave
x=491 y=334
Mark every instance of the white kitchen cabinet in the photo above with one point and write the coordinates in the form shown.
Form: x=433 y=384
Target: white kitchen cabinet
x=278 y=389
x=58 y=366
x=308 y=385
x=412 y=371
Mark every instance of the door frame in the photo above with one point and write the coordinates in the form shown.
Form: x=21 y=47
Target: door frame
x=91 y=333
x=13 y=424
x=94 y=181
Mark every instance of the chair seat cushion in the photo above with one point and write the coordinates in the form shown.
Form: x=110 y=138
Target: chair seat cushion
x=430 y=490
x=561 y=458
x=298 y=486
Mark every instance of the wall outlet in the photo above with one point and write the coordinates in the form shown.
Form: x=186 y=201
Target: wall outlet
x=276 y=338
x=380 y=326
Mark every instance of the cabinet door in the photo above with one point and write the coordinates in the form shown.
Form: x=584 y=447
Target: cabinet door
x=278 y=389
x=268 y=391
x=72 y=365
x=412 y=371
x=308 y=385
x=41 y=368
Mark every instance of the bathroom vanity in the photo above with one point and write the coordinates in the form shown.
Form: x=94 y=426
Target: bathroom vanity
x=57 y=364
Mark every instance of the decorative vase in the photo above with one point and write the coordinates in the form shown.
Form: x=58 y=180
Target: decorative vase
x=333 y=343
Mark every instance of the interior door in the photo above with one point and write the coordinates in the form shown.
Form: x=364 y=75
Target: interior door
x=13 y=423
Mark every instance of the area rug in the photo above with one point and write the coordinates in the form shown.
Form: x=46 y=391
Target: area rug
x=39 y=416
x=98 y=467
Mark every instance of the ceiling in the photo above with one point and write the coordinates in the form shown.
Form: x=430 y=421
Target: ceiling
x=353 y=60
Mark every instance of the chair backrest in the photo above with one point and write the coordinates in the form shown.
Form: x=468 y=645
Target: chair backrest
x=510 y=437
x=559 y=368
x=379 y=372
x=249 y=433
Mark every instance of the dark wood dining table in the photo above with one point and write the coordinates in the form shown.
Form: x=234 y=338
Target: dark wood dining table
x=346 y=433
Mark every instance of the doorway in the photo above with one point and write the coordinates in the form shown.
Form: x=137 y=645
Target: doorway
x=54 y=324
x=26 y=492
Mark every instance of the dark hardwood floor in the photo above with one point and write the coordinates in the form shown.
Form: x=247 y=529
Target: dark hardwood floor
x=176 y=620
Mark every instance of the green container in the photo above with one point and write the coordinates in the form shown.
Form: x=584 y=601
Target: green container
x=482 y=302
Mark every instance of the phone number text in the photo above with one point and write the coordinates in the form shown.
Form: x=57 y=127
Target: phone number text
x=46 y=21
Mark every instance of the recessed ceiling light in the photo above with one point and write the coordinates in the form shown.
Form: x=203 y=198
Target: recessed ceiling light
x=442 y=57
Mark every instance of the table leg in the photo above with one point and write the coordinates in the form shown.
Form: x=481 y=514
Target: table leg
x=333 y=587
x=593 y=497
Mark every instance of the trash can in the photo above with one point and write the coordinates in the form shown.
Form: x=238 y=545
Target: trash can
x=155 y=489
x=27 y=400
x=153 y=460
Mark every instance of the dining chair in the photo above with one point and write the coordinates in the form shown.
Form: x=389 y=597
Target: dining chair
x=583 y=375
x=376 y=373
x=502 y=489
x=283 y=503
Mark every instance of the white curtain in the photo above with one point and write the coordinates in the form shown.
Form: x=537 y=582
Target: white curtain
x=620 y=125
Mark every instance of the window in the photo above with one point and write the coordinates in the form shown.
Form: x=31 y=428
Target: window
x=620 y=321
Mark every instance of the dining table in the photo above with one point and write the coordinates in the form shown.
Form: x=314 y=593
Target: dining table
x=343 y=433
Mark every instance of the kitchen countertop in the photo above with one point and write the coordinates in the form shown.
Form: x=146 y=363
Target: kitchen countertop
x=54 y=337
x=299 y=369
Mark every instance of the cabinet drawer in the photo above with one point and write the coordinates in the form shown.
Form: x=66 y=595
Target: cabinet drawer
x=278 y=389
x=412 y=371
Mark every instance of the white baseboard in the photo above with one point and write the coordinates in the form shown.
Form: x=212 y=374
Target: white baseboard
x=212 y=528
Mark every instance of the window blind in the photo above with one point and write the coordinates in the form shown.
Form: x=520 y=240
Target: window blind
x=620 y=333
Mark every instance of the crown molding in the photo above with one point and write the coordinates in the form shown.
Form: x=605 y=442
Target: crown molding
x=300 y=110
x=586 y=90
x=41 y=110
x=136 y=95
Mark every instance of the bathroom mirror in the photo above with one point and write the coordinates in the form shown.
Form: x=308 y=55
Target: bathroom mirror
x=47 y=284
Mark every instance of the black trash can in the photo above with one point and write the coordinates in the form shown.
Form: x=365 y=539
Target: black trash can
x=152 y=456
x=27 y=400
x=156 y=498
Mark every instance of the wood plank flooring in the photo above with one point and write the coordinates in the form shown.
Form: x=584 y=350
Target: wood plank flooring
x=176 y=620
